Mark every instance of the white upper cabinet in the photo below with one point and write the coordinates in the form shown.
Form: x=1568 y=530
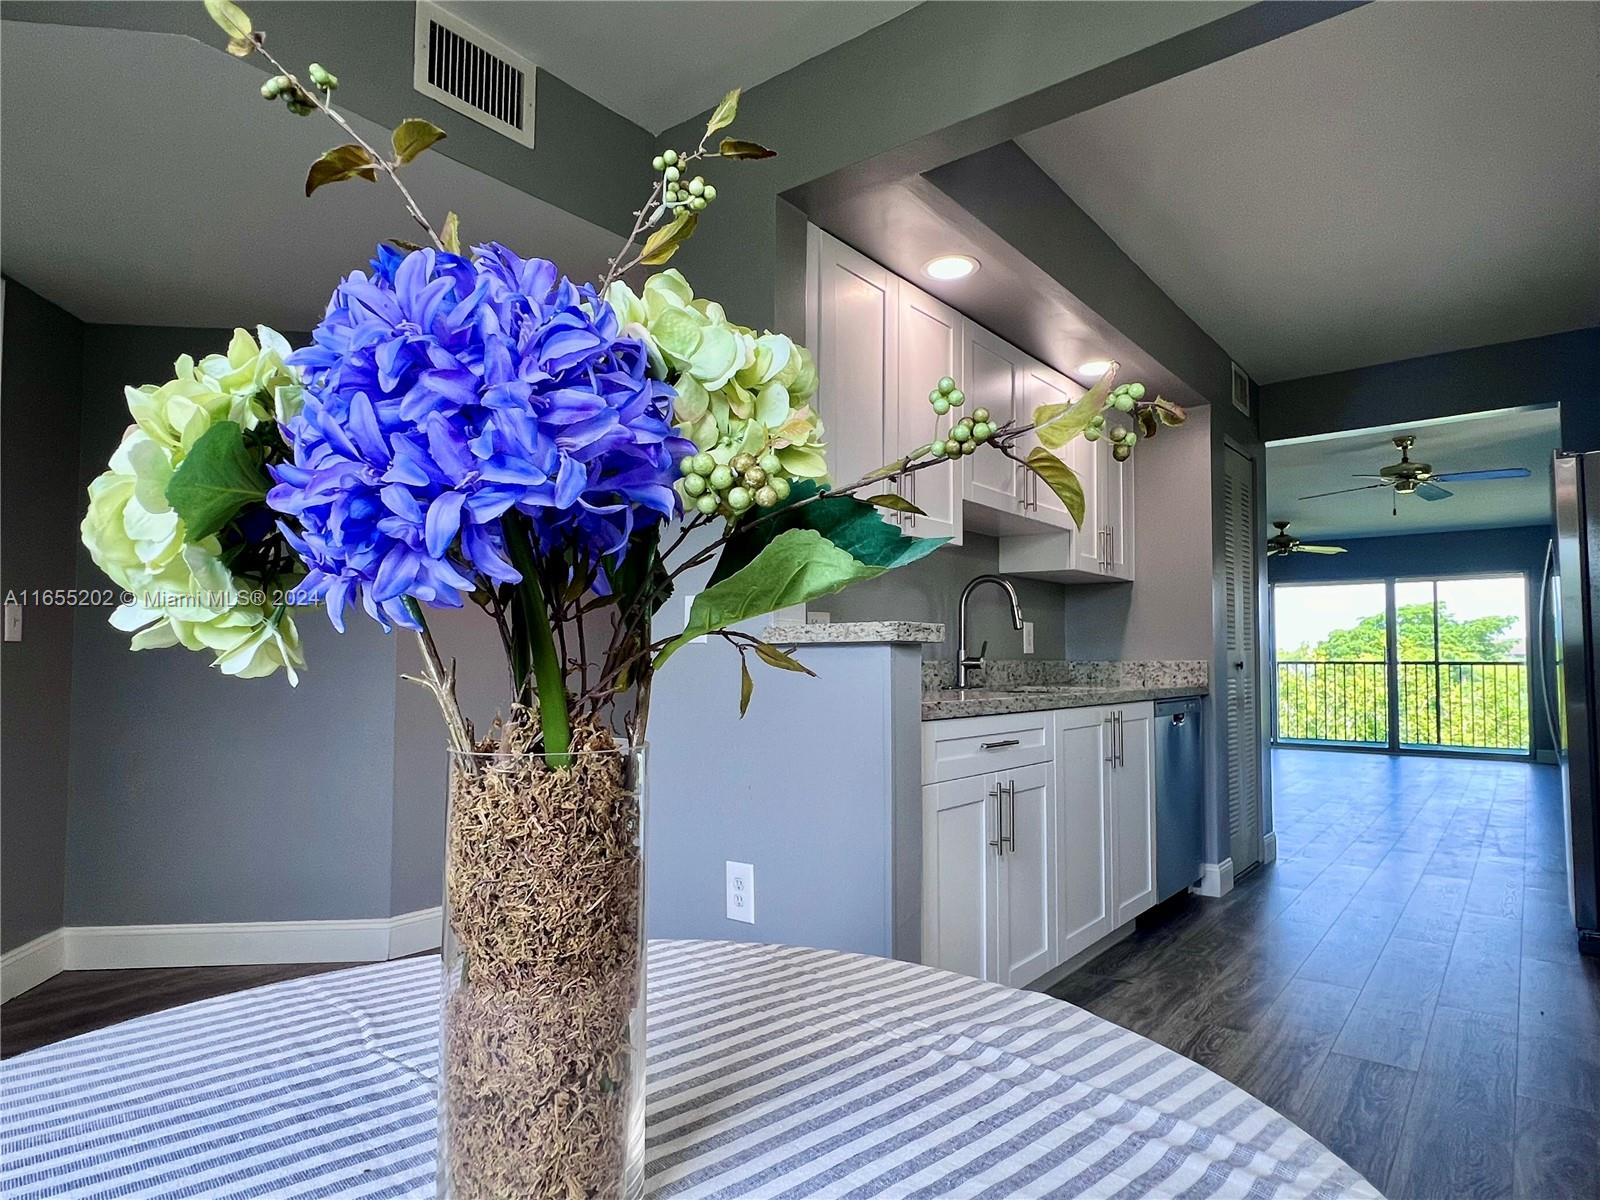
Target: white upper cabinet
x=881 y=345
x=992 y=483
x=1041 y=385
x=852 y=339
x=928 y=347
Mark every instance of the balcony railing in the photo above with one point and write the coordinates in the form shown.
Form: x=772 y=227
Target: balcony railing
x=1442 y=705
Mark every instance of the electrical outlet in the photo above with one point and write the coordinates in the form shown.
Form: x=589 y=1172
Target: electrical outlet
x=741 y=892
x=1027 y=637
x=813 y=617
x=13 y=621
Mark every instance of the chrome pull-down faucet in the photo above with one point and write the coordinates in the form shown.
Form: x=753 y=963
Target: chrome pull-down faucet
x=964 y=663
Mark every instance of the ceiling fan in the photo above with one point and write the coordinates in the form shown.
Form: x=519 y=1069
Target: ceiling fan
x=1406 y=478
x=1283 y=542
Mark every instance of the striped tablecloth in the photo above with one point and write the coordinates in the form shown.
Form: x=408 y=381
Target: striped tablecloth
x=774 y=1072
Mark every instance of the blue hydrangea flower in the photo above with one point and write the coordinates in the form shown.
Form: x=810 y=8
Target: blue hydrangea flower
x=444 y=391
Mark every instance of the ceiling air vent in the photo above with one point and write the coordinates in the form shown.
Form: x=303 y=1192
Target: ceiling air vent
x=464 y=68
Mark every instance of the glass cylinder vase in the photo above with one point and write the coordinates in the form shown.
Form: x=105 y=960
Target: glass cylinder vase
x=542 y=1054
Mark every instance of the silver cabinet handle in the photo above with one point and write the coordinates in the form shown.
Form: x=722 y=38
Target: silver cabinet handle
x=1011 y=796
x=910 y=492
x=1000 y=744
x=1111 y=739
x=1117 y=743
x=998 y=841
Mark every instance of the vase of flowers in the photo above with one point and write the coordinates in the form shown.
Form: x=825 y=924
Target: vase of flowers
x=469 y=426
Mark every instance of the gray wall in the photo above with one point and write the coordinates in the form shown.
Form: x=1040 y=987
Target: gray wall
x=1517 y=549
x=1165 y=612
x=814 y=788
x=1563 y=368
x=38 y=528
x=196 y=797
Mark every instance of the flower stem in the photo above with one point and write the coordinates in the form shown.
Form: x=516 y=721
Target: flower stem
x=538 y=642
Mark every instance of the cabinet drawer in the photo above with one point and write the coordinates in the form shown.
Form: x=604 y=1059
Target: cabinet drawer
x=976 y=745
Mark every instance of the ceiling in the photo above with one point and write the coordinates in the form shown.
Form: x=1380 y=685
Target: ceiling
x=206 y=223
x=659 y=62
x=1399 y=180
x=1510 y=438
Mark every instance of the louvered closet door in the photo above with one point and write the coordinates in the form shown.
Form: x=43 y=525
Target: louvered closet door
x=1239 y=687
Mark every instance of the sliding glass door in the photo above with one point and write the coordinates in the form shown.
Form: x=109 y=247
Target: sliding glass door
x=1429 y=664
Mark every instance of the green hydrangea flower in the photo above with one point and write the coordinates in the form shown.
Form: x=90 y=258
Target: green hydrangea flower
x=739 y=391
x=183 y=593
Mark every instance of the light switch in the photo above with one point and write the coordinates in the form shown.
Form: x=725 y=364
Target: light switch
x=13 y=621
x=1027 y=637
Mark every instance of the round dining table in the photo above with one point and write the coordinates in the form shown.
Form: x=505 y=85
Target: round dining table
x=774 y=1072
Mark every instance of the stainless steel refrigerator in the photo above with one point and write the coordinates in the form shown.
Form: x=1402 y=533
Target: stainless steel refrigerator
x=1570 y=597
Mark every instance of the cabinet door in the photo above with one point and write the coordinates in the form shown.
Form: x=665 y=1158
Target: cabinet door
x=960 y=875
x=855 y=353
x=1027 y=875
x=929 y=337
x=1117 y=498
x=1133 y=814
x=991 y=480
x=1041 y=385
x=1083 y=835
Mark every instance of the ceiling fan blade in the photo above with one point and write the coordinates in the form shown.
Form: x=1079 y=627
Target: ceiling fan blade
x=1343 y=491
x=1474 y=476
x=1320 y=549
x=1432 y=491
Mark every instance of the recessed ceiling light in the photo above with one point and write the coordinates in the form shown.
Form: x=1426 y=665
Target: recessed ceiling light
x=1095 y=369
x=950 y=266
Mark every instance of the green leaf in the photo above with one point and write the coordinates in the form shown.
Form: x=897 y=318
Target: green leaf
x=1169 y=413
x=747 y=686
x=1148 y=424
x=1061 y=479
x=664 y=242
x=898 y=503
x=450 y=235
x=402 y=244
x=722 y=116
x=218 y=478
x=774 y=657
x=414 y=135
x=796 y=566
x=231 y=20
x=852 y=525
x=736 y=148
x=340 y=163
x=888 y=469
x=1057 y=424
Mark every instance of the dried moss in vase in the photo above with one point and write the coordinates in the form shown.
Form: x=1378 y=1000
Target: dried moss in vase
x=543 y=877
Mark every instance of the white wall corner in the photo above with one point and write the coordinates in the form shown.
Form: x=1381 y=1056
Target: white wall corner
x=1216 y=879
x=413 y=933
x=31 y=963
x=1269 y=847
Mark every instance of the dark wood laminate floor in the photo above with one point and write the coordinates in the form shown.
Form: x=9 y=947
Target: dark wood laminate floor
x=1403 y=982
x=76 y=1002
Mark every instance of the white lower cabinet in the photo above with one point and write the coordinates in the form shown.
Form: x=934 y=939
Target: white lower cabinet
x=1083 y=855
x=1031 y=863
x=1131 y=788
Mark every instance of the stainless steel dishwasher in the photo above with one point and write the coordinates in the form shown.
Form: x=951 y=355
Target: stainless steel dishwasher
x=1180 y=794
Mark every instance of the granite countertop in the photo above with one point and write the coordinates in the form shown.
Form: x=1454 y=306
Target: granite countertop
x=946 y=703
x=854 y=633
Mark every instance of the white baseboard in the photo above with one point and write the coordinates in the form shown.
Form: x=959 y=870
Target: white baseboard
x=114 y=947
x=1216 y=879
x=1269 y=847
x=31 y=963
